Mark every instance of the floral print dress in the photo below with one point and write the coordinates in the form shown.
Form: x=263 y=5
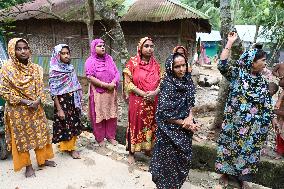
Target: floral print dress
x=247 y=118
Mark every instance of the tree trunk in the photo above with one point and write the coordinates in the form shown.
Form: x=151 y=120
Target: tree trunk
x=89 y=4
x=110 y=17
x=256 y=33
x=226 y=27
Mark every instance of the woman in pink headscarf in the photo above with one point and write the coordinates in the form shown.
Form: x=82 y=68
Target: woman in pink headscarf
x=141 y=82
x=103 y=75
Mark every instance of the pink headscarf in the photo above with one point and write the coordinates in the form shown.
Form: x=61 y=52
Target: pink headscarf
x=101 y=67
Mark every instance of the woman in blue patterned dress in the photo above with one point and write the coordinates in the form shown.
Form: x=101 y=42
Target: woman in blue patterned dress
x=172 y=151
x=247 y=115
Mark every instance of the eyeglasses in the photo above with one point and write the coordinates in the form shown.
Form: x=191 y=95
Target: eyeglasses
x=22 y=49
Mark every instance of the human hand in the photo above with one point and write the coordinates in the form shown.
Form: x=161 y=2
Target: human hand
x=61 y=114
x=142 y=94
x=189 y=125
x=232 y=37
x=277 y=104
x=111 y=86
x=150 y=95
x=34 y=104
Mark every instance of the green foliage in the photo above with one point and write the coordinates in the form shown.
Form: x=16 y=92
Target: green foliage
x=116 y=5
x=209 y=7
x=266 y=13
x=8 y=3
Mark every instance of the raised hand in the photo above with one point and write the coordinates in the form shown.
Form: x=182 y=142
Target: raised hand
x=232 y=37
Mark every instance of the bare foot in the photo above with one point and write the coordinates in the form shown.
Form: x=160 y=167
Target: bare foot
x=102 y=144
x=49 y=163
x=74 y=154
x=113 y=142
x=224 y=180
x=131 y=159
x=246 y=185
x=29 y=171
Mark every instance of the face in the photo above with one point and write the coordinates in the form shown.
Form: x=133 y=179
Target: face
x=100 y=49
x=258 y=65
x=65 y=55
x=22 y=51
x=147 y=48
x=179 y=66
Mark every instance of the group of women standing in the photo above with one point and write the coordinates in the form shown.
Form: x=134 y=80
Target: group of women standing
x=160 y=116
x=168 y=118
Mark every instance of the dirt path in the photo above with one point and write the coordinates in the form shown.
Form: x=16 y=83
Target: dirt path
x=92 y=171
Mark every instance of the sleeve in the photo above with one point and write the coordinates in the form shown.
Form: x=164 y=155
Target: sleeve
x=128 y=81
x=89 y=69
x=228 y=71
x=6 y=92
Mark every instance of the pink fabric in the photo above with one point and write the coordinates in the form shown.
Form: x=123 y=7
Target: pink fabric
x=104 y=129
x=102 y=68
x=105 y=104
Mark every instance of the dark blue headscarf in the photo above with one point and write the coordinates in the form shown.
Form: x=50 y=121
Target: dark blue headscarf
x=176 y=96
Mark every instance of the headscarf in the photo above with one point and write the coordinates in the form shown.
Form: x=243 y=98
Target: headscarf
x=18 y=80
x=247 y=82
x=184 y=49
x=176 y=96
x=101 y=67
x=62 y=77
x=145 y=75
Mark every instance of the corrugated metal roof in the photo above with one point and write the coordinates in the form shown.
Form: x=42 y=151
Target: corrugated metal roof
x=71 y=10
x=160 y=10
x=213 y=36
x=141 y=10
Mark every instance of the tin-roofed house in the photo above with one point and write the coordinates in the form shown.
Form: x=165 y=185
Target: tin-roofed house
x=168 y=22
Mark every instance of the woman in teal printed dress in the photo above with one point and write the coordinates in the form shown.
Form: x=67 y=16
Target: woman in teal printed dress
x=247 y=115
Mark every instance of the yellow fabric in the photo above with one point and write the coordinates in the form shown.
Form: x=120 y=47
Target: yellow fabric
x=22 y=159
x=17 y=82
x=128 y=84
x=68 y=145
